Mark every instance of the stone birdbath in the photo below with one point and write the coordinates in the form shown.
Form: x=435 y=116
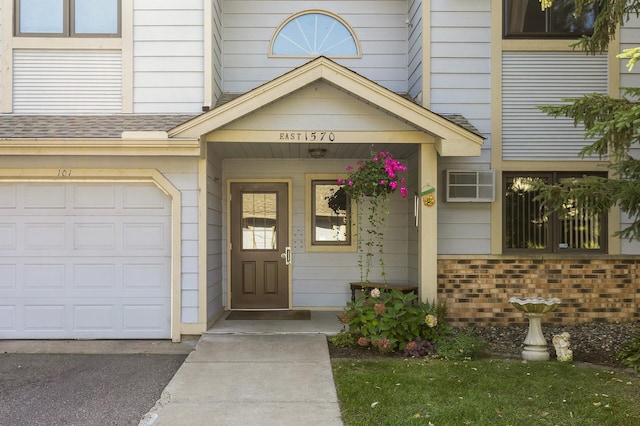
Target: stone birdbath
x=534 y=308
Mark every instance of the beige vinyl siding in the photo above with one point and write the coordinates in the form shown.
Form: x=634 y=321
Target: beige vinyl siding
x=322 y=279
x=168 y=56
x=67 y=81
x=249 y=26
x=530 y=79
x=215 y=258
x=415 y=65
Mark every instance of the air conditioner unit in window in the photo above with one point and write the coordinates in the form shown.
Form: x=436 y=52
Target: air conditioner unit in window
x=476 y=186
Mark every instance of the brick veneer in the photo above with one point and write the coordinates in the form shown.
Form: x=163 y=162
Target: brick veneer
x=477 y=290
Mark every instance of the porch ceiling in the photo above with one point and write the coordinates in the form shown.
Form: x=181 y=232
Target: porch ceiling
x=301 y=150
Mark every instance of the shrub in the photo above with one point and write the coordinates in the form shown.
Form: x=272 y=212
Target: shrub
x=630 y=354
x=342 y=339
x=395 y=319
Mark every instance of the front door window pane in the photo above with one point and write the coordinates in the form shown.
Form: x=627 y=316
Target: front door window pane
x=42 y=16
x=96 y=16
x=259 y=214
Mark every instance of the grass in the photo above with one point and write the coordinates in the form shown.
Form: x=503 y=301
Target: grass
x=486 y=392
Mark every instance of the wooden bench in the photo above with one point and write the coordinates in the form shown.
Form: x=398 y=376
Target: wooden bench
x=405 y=288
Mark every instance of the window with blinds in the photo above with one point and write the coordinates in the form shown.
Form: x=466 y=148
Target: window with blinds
x=528 y=227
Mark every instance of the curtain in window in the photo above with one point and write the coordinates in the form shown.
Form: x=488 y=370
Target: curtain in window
x=517 y=10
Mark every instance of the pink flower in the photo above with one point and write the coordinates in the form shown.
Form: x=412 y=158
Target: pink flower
x=383 y=182
x=393 y=185
x=340 y=181
x=375 y=159
x=379 y=308
x=350 y=183
x=403 y=192
x=363 y=341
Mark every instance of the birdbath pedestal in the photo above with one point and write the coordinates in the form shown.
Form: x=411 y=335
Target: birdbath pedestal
x=534 y=308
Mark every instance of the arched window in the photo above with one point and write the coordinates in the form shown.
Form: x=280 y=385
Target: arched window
x=314 y=33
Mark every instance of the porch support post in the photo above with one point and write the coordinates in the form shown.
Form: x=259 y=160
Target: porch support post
x=428 y=226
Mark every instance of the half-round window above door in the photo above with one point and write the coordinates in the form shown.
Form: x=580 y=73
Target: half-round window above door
x=315 y=33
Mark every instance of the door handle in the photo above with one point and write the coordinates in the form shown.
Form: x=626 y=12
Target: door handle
x=286 y=255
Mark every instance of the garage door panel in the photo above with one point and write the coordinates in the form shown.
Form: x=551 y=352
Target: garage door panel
x=98 y=196
x=139 y=236
x=44 y=317
x=45 y=276
x=8 y=195
x=8 y=236
x=89 y=269
x=94 y=236
x=45 y=196
x=8 y=318
x=95 y=318
x=143 y=276
x=136 y=196
x=147 y=317
x=45 y=236
x=95 y=276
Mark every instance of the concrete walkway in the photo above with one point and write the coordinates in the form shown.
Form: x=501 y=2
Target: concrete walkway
x=239 y=374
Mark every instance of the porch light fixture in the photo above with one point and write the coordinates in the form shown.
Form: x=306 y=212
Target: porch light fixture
x=317 y=152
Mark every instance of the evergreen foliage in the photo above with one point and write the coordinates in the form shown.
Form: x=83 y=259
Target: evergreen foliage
x=614 y=124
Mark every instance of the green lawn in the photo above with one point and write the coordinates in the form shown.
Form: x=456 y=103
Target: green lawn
x=487 y=392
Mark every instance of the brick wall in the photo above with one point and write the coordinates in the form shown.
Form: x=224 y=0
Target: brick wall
x=477 y=290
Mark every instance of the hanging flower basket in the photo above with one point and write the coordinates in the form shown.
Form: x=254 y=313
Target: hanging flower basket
x=370 y=182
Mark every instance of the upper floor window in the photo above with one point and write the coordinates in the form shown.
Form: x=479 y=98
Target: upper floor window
x=67 y=18
x=529 y=227
x=312 y=34
x=526 y=19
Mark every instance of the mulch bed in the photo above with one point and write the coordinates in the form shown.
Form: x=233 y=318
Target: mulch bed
x=594 y=343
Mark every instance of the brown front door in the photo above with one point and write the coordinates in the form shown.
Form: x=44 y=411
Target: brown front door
x=259 y=252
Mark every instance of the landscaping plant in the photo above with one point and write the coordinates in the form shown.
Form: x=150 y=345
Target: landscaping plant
x=390 y=320
x=630 y=354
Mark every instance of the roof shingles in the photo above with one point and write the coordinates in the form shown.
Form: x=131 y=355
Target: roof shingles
x=84 y=126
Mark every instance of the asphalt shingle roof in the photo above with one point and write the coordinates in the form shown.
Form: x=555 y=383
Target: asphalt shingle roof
x=84 y=126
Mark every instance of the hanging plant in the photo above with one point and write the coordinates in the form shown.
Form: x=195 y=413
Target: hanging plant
x=370 y=182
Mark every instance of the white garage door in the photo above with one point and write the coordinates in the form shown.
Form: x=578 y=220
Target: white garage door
x=84 y=260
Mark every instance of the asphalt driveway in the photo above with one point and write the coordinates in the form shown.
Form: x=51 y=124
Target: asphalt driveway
x=82 y=388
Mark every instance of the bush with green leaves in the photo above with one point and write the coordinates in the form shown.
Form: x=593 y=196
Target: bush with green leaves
x=389 y=319
x=630 y=354
x=343 y=339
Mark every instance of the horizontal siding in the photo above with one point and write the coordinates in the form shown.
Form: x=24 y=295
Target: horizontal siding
x=461 y=62
x=168 y=51
x=249 y=26
x=540 y=78
x=461 y=83
x=67 y=82
x=415 y=49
